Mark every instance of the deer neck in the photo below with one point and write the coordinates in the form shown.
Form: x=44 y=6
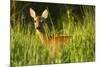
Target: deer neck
x=43 y=38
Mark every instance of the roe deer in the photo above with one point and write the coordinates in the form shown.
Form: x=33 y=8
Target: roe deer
x=51 y=43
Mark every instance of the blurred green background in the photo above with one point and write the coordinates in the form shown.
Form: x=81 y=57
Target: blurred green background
x=64 y=19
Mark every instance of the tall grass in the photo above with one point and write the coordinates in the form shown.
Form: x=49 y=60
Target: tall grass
x=26 y=49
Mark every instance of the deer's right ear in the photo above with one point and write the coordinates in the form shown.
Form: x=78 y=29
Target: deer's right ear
x=32 y=13
x=45 y=14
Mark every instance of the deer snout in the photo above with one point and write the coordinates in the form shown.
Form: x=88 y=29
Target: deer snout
x=39 y=27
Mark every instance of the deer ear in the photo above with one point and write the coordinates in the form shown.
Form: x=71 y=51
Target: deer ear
x=45 y=14
x=32 y=13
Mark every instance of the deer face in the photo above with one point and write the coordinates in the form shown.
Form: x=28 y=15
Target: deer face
x=38 y=19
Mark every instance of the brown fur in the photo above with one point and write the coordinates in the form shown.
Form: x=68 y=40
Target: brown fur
x=53 y=43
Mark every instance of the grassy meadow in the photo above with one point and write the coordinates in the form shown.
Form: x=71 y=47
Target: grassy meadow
x=26 y=49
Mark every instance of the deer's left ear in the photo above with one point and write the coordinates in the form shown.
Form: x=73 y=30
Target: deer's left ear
x=45 y=14
x=32 y=13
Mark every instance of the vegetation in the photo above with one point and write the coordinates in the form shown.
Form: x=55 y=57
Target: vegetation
x=26 y=49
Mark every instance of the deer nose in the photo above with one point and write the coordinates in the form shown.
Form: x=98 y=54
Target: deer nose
x=39 y=27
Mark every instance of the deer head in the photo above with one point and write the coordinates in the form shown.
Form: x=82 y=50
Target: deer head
x=38 y=19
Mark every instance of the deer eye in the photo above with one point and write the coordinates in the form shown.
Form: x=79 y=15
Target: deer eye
x=42 y=20
x=34 y=21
